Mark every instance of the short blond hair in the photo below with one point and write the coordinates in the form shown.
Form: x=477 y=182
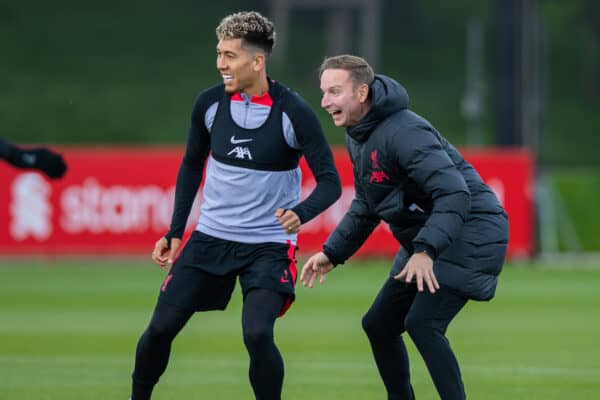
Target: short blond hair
x=254 y=29
x=360 y=70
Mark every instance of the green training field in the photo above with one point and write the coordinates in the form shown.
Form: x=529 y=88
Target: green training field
x=68 y=331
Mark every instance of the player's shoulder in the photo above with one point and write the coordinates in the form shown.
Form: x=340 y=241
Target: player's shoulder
x=293 y=103
x=209 y=96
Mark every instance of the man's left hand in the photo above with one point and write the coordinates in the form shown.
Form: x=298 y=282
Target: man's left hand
x=420 y=267
x=289 y=220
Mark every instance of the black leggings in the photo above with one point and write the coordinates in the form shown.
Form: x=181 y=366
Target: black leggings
x=259 y=312
x=399 y=307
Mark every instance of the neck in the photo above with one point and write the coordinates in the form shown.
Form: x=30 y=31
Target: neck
x=259 y=87
x=364 y=110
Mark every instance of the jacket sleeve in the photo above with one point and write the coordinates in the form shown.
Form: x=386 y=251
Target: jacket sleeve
x=6 y=150
x=319 y=158
x=190 y=170
x=420 y=151
x=353 y=230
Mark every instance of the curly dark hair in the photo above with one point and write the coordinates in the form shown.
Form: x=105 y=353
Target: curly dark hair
x=254 y=29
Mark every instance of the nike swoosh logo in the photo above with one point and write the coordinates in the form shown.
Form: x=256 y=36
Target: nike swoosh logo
x=238 y=141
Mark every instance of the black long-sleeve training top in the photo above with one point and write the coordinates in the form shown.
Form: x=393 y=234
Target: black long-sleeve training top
x=253 y=146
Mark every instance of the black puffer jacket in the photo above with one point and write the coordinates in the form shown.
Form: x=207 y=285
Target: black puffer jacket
x=408 y=175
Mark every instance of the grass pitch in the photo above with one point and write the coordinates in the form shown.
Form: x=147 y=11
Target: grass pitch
x=68 y=330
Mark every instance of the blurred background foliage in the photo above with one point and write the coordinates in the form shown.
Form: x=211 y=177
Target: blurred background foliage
x=127 y=72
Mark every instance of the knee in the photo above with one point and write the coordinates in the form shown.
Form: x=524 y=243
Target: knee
x=417 y=326
x=256 y=338
x=161 y=330
x=155 y=332
x=373 y=325
x=166 y=322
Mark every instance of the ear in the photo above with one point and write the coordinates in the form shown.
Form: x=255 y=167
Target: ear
x=258 y=63
x=363 y=92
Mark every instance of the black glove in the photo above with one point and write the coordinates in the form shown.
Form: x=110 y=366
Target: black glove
x=43 y=159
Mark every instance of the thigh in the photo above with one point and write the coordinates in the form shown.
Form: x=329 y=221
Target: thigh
x=392 y=303
x=191 y=288
x=213 y=255
x=438 y=309
x=261 y=308
x=269 y=266
x=168 y=319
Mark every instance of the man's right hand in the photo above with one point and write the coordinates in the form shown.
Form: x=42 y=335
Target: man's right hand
x=317 y=266
x=163 y=255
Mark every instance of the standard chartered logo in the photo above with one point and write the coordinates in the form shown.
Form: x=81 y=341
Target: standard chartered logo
x=30 y=208
x=92 y=207
x=88 y=207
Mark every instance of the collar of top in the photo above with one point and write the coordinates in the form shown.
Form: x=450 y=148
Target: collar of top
x=264 y=99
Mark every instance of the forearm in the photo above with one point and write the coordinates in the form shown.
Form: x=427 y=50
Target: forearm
x=39 y=158
x=348 y=237
x=429 y=165
x=327 y=191
x=444 y=224
x=186 y=188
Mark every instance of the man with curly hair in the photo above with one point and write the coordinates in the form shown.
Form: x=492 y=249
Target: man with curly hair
x=251 y=131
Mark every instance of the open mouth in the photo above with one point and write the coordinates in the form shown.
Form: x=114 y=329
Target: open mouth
x=227 y=78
